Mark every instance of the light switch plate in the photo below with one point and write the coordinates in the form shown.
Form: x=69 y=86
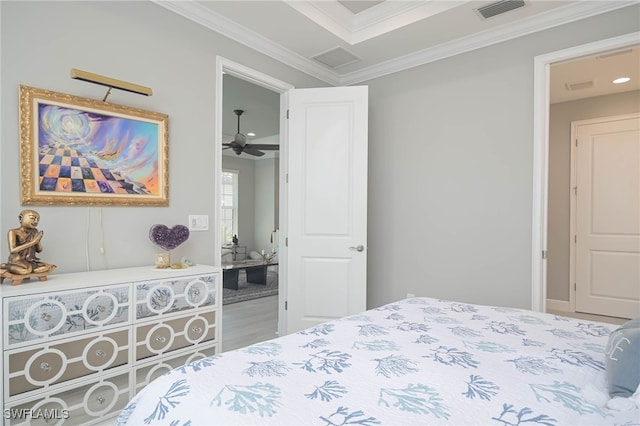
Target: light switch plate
x=198 y=222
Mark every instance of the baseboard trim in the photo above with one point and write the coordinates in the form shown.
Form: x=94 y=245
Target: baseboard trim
x=558 y=305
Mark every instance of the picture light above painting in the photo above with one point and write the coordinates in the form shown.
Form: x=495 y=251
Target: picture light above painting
x=109 y=82
x=80 y=151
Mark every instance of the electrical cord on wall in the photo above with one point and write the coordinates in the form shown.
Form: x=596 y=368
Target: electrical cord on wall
x=87 y=247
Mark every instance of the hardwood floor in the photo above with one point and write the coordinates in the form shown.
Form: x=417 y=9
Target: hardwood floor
x=249 y=322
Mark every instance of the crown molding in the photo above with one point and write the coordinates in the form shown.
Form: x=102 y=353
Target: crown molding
x=560 y=16
x=214 y=21
x=222 y=25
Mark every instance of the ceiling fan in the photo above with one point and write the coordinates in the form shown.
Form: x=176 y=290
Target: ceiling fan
x=239 y=143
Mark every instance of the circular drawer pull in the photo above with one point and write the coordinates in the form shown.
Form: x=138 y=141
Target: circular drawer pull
x=196 y=329
x=100 y=399
x=45 y=316
x=45 y=366
x=161 y=339
x=101 y=353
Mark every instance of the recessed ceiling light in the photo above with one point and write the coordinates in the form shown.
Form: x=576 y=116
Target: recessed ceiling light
x=621 y=80
x=251 y=134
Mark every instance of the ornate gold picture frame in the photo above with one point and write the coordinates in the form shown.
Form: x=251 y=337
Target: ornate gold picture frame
x=80 y=151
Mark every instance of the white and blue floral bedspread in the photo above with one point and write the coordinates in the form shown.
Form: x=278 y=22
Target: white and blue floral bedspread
x=418 y=361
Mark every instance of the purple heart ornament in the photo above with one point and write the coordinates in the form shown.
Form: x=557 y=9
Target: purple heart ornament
x=168 y=238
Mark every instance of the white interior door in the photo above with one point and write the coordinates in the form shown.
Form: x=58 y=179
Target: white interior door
x=327 y=205
x=607 y=240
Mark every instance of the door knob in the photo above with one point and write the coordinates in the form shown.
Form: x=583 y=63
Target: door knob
x=359 y=247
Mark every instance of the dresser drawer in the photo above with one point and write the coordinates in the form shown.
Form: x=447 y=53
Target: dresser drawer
x=30 y=319
x=84 y=404
x=45 y=366
x=155 y=298
x=159 y=337
x=192 y=358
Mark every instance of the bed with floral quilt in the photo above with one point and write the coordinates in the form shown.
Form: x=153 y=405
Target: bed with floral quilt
x=418 y=361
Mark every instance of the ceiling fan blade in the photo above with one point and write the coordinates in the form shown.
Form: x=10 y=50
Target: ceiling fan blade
x=265 y=147
x=249 y=149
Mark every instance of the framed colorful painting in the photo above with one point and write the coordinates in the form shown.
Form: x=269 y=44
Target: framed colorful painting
x=80 y=151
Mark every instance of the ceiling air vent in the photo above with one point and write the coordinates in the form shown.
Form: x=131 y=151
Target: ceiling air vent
x=336 y=57
x=579 y=86
x=499 y=7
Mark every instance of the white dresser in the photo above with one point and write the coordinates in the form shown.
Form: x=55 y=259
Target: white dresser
x=78 y=347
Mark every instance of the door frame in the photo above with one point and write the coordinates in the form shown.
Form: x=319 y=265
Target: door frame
x=226 y=66
x=541 y=103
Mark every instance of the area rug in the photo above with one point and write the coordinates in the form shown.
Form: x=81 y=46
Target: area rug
x=249 y=291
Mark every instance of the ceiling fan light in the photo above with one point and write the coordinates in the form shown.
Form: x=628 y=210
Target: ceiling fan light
x=240 y=139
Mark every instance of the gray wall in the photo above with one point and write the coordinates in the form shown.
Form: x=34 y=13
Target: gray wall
x=560 y=117
x=450 y=150
x=450 y=169
x=134 y=41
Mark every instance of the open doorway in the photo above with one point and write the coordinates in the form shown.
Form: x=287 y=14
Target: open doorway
x=250 y=172
x=541 y=171
x=243 y=81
